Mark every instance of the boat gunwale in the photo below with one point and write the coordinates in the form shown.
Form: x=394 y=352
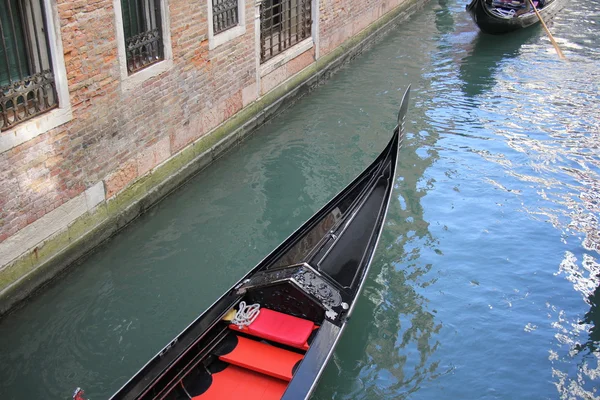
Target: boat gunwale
x=358 y=292
x=369 y=190
x=399 y=136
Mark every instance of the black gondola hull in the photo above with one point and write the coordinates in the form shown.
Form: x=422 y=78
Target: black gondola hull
x=316 y=274
x=491 y=23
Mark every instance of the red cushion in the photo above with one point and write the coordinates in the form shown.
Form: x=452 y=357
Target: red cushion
x=235 y=383
x=263 y=358
x=280 y=328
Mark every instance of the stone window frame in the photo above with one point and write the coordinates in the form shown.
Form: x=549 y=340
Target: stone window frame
x=43 y=123
x=143 y=33
x=135 y=80
x=223 y=37
x=265 y=68
x=285 y=26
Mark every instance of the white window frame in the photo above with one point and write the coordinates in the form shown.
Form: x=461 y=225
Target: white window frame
x=135 y=80
x=286 y=56
x=231 y=33
x=51 y=119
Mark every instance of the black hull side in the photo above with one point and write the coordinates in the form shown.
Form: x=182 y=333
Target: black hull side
x=495 y=25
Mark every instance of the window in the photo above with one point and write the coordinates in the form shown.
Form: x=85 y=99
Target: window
x=27 y=82
x=225 y=15
x=143 y=33
x=226 y=21
x=283 y=23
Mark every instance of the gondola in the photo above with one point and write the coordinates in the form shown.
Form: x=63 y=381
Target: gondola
x=502 y=16
x=272 y=333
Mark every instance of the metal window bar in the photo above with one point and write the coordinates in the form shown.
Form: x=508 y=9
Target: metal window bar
x=143 y=33
x=27 y=84
x=225 y=15
x=283 y=23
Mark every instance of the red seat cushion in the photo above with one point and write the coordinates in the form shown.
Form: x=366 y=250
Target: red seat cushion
x=263 y=358
x=280 y=328
x=235 y=383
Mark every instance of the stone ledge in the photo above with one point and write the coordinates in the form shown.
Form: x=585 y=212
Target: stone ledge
x=55 y=221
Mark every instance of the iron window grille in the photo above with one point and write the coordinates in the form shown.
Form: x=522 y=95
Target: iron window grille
x=27 y=84
x=283 y=23
x=225 y=15
x=143 y=33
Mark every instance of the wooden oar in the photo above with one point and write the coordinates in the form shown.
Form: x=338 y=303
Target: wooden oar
x=560 y=53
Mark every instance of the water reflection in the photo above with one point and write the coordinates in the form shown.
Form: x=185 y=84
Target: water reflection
x=591 y=320
x=444 y=18
x=544 y=117
x=486 y=55
x=577 y=339
x=386 y=352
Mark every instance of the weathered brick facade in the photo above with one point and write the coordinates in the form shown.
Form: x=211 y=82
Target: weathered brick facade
x=119 y=133
x=117 y=136
x=342 y=19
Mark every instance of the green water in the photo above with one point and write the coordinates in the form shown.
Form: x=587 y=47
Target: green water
x=486 y=280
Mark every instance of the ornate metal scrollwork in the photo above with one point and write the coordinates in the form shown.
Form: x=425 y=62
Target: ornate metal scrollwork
x=287 y=299
x=27 y=98
x=318 y=287
x=303 y=277
x=225 y=15
x=144 y=49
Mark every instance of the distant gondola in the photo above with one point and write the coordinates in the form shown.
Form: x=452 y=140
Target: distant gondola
x=502 y=16
x=306 y=288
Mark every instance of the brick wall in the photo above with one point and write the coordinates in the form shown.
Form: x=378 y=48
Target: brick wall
x=342 y=19
x=119 y=131
x=117 y=136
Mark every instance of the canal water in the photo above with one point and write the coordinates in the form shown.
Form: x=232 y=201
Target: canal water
x=486 y=281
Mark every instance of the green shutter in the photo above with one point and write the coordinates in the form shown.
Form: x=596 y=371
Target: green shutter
x=13 y=52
